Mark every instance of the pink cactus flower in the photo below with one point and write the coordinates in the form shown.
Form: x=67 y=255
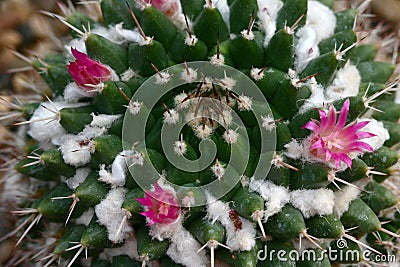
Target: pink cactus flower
x=86 y=71
x=332 y=141
x=168 y=7
x=162 y=205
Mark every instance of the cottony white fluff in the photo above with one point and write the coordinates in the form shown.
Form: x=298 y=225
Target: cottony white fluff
x=321 y=19
x=121 y=35
x=162 y=78
x=230 y=136
x=129 y=248
x=343 y=198
x=117 y=177
x=294 y=149
x=377 y=128
x=268 y=123
x=275 y=196
x=110 y=214
x=85 y=218
x=217 y=61
x=313 y=202
x=134 y=107
x=257 y=74
x=345 y=84
x=189 y=75
x=183 y=248
x=72 y=93
x=171 y=116
x=103 y=120
x=223 y=8
x=218 y=170
x=268 y=13
x=73 y=152
x=317 y=97
x=128 y=74
x=78 y=178
x=241 y=239
x=78 y=44
x=47 y=129
x=245 y=103
x=191 y=40
x=306 y=48
x=180 y=148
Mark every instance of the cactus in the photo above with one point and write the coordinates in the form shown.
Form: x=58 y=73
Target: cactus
x=191 y=133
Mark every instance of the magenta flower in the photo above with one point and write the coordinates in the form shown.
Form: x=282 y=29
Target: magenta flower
x=86 y=71
x=333 y=142
x=162 y=205
x=168 y=7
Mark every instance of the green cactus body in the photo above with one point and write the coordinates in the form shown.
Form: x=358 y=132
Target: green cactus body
x=190 y=132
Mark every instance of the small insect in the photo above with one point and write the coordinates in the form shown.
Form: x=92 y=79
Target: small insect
x=237 y=222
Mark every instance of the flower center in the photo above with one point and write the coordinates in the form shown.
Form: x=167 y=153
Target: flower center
x=332 y=142
x=163 y=209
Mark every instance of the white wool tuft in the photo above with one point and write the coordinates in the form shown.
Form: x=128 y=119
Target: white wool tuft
x=171 y=116
x=72 y=93
x=128 y=74
x=129 y=248
x=223 y=8
x=189 y=75
x=134 y=107
x=306 y=48
x=244 y=103
x=218 y=170
x=321 y=19
x=181 y=100
x=180 y=148
x=75 y=152
x=103 y=120
x=268 y=13
x=275 y=196
x=268 y=123
x=313 y=202
x=78 y=178
x=78 y=44
x=257 y=74
x=85 y=218
x=110 y=214
x=377 y=128
x=294 y=149
x=191 y=40
x=230 y=136
x=346 y=83
x=237 y=239
x=162 y=78
x=227 y=82
x=118 y=171
x=203 y=131
x=217 y=61
x=226 y=117
x=248 y=35
x=121 y=35
x=45 y=130
x=317 y=97
x=343 y=198
x=104 y=175
x=184 y=250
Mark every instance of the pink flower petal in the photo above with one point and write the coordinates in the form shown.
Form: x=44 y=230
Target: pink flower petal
x=343 y=114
